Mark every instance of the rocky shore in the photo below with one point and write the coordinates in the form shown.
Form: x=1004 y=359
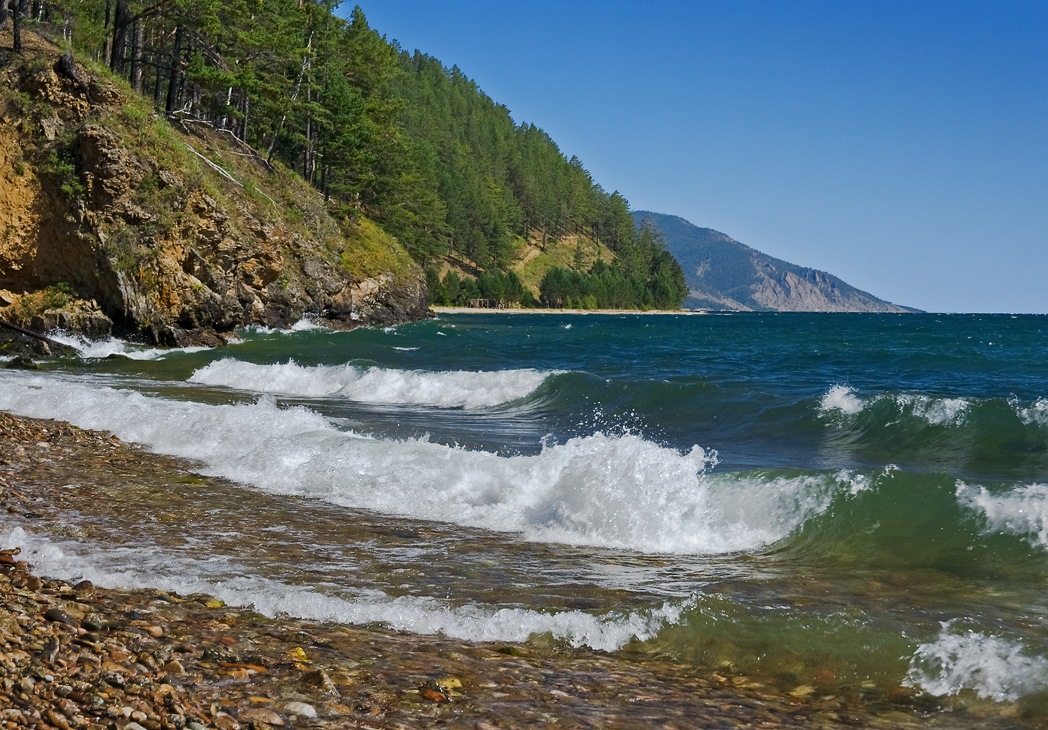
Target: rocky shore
x=75 y=655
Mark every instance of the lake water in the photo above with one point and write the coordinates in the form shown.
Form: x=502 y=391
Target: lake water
x=826 y=501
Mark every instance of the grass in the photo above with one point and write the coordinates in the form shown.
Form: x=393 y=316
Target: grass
x=570 y=252
x=372 y=252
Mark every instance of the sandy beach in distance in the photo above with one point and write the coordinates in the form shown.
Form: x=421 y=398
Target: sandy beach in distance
x=539 y=310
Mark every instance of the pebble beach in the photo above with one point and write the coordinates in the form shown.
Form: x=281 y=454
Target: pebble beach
x=75 y=655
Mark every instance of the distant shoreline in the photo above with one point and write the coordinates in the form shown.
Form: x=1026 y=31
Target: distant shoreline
x=520 y=310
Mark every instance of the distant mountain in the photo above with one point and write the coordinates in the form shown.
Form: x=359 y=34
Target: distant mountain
x=723 y=274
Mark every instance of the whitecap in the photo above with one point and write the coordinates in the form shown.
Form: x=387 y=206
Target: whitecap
x=453 y=389
x=936 y=411
x=1021 y=511
x=992 y=667
x=1035 y=414
x=101 y=349
x=842 y=399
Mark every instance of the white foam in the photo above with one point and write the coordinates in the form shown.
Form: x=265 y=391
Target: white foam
x=150 y=568
x=303 y=325
x=990 y=666
x=936 y=411
x=111 y=346
x=841 y=398
x=855 y=481
x=1021 y=511
x=462 y=389
x=614 y=491
x=1035 y=414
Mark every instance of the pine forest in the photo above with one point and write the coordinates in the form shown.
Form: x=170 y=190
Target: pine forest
x=382 y=133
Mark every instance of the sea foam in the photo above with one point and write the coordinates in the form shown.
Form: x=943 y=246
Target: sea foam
x=990 y=666
x=99 y=349
x=1035 y=414
x=602 y=490
x=1021 y=511
x=843 y=400
x=461 y=389
x=151 y=568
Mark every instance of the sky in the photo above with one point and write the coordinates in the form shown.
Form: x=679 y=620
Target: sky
x=902 y=146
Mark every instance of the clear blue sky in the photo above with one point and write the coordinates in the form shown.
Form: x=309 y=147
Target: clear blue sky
x=902 y=146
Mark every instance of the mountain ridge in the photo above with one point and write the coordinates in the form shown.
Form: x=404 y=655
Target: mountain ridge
x=723 y=274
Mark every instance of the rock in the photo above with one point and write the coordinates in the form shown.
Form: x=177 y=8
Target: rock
x=432 y=691
x=225 y=721
x=21 y=362
x=174 y=667
x=301 y=709
x=261 y=714
x=320 y=680
x=59 y=616
x=92 y=622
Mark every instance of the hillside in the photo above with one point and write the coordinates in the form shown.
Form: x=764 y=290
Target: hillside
x=723 y=274
x=114 y=219
x=227 y=166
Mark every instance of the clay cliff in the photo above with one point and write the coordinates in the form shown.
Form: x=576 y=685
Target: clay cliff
x=115 y=219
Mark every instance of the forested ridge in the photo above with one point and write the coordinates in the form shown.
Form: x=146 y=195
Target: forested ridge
x=382 y=133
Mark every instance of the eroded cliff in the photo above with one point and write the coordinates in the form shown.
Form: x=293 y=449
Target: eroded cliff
x=114 y=219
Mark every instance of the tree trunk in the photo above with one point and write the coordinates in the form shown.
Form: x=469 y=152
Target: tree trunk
x=137 y=41
x=176 y=72
x=3 y=14
x=121 y=20
x=107 y=46
x=309 y=165
x=17 y=10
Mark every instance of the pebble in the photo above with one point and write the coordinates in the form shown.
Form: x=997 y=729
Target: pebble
x=57 y=614
x=261 y=714
x=174 y=667
x=300 y=708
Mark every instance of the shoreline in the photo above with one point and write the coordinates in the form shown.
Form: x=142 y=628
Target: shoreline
x=521 y=310
x=76 y=655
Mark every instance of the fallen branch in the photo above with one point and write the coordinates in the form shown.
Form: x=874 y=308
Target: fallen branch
x=225 y=173
x=220 y=170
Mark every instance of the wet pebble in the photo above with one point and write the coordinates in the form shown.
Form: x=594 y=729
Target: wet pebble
x=300 y=708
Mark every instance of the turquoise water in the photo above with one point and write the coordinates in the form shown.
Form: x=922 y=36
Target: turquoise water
x=835 y=501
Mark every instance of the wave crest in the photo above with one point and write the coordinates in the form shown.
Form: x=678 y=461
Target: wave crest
x=843 y=400
x=615 y=491
x=1022 y=511
x=990 y=666
x=453 y=389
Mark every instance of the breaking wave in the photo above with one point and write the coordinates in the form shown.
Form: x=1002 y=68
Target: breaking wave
x=461 y=389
